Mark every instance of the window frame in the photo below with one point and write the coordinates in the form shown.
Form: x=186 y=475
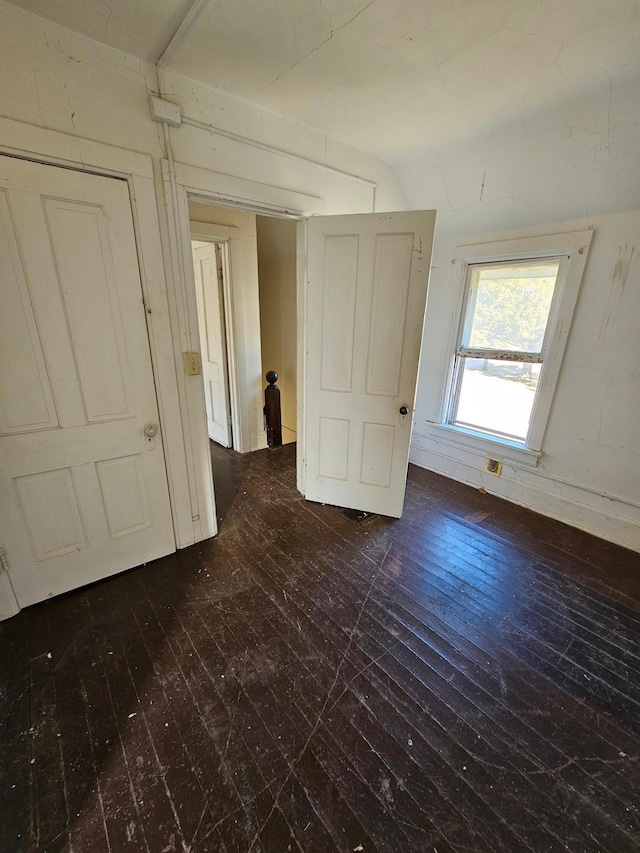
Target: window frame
x=571 y=250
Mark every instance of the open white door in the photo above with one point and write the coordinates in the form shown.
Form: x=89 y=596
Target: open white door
x=366 y=289
x=83 y=485
x=207 y=270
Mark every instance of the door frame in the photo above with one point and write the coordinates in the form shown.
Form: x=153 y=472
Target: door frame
x=54 y=148
x=191 y=182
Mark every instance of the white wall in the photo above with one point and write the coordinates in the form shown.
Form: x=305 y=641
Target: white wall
x=565 y=169
x=54 y=78
x=277 y=275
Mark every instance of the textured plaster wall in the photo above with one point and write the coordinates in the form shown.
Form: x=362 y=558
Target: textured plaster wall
x=58 y=79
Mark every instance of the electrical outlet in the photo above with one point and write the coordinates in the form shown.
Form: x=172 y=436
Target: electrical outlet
x=494 y=466
x=191 y=363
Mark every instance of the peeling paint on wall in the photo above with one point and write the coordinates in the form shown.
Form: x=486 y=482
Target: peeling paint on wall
x=618 y=282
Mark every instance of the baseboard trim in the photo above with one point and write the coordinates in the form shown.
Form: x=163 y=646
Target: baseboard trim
x=288 y=435
x=604 y=516
x=258 y=441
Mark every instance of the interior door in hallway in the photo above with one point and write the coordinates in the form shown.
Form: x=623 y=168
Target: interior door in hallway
x=83 y=482
x=366 y=289
x=207 y=270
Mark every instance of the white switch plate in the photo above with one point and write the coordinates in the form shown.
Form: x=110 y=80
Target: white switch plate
x=191 y=363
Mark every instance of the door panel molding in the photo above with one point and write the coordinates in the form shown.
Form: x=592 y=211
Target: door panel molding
x=338 y=311
x=73 y=241
x=32 y=407
x=52 y=533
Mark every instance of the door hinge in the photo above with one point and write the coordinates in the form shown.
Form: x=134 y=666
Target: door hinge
x=4 y=563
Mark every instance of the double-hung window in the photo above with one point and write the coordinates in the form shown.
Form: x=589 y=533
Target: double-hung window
x=518 y=301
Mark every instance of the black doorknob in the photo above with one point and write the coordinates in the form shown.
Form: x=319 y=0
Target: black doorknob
x=404 y=410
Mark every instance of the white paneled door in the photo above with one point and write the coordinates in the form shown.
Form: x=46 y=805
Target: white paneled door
x=366 y=289
x=207 y=271
x=83 y=485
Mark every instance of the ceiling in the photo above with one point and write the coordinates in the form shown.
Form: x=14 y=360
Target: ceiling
x=392 y=77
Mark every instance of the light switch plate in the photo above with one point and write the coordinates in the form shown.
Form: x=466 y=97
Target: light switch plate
x=191 y=363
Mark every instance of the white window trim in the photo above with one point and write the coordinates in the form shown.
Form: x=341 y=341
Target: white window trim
x=573 y=248
x=486 y=445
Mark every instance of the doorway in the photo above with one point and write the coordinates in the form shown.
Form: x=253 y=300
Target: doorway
x=277 y=284
x=361 y=294
x=245 y=272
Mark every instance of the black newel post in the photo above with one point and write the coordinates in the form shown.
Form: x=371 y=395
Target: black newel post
x=272 y=410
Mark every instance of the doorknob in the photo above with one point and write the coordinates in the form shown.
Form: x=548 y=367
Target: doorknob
x=403 y=410
x=150 y=430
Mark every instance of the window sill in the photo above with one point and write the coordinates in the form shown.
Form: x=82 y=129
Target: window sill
x=488 y=446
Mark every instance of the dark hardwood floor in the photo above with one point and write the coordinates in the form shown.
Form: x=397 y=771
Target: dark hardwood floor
x=464 y=679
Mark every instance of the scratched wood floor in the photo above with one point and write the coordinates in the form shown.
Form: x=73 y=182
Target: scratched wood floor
x=465 y=679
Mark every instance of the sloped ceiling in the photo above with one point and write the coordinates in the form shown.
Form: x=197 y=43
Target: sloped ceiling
x=392 y=77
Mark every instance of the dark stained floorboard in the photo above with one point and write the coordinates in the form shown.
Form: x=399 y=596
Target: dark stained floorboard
x=464 y=679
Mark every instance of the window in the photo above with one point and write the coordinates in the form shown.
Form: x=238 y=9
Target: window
x=500 y=354
x=517 y=306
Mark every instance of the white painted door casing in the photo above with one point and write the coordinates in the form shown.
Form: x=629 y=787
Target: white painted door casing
x=207 y=271
x=367 y=281
x=83 y=492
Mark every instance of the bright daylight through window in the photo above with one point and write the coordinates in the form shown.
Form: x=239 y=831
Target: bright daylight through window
x=502 y=346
